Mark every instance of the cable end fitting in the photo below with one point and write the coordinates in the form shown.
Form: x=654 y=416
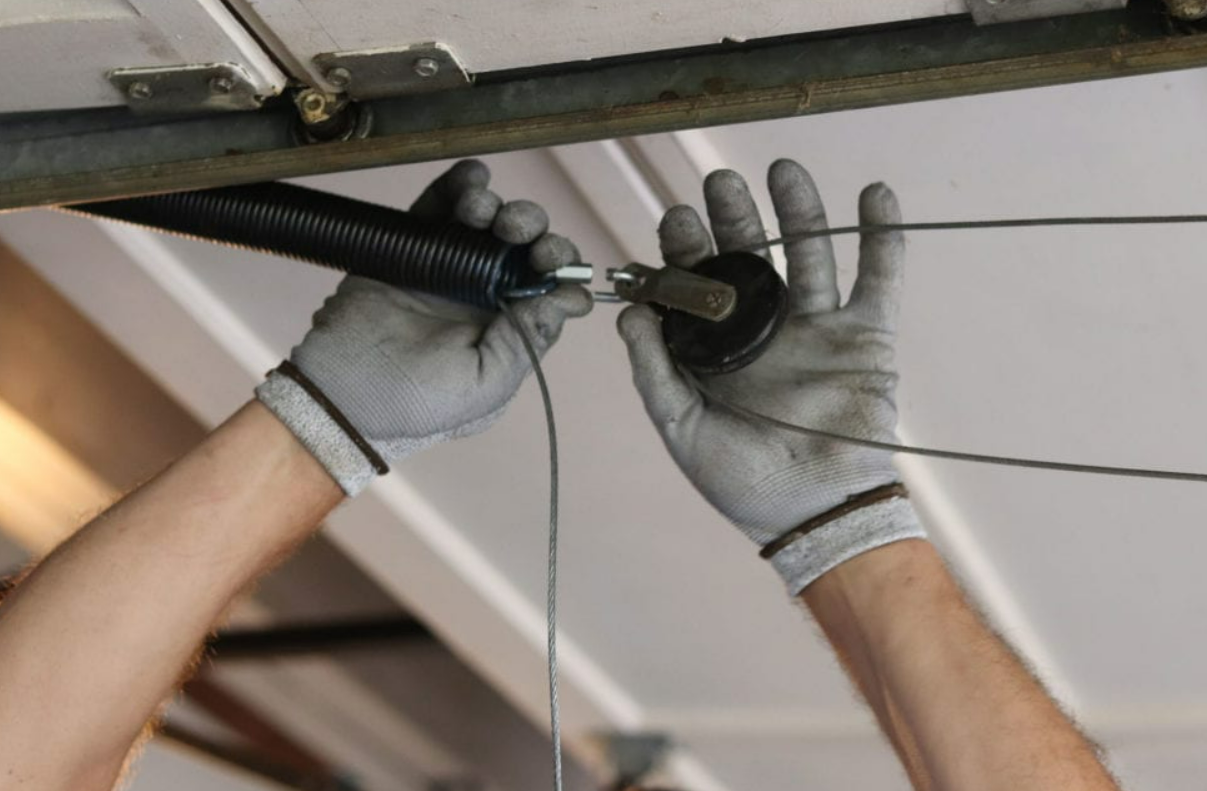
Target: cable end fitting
x=575 y=273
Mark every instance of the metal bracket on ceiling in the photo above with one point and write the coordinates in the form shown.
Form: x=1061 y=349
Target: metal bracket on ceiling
x=992 y=12
x=382 y=73
x=187 y=89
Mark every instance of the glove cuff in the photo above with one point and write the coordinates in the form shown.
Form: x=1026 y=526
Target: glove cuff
x=322 y=429
x=843 y=534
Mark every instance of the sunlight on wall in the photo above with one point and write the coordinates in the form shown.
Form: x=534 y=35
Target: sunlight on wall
x=45 y=492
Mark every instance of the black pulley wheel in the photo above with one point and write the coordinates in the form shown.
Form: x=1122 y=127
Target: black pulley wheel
x=718 y=347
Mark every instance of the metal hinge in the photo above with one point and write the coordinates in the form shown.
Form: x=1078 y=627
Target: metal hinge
x=381 y=73
x=991 y=12
x=184 y=89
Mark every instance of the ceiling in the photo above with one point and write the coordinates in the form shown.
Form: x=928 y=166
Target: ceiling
x=1073 y=344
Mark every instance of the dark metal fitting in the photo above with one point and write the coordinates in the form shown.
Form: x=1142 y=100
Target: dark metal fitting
x=574 y=273
x=675 y=288
x=324 y=117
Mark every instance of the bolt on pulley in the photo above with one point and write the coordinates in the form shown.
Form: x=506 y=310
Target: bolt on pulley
x=675 y=288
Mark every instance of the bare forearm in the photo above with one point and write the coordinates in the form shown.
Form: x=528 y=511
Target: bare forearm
x=961 y=709
x=107 y=623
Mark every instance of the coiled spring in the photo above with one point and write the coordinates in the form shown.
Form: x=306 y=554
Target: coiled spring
x=360 y=238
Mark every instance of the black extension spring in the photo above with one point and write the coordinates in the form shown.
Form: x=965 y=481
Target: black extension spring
x=352 y=236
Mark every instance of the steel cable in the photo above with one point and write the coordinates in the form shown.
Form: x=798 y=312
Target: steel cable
x=555 y=724
x=938 y=453
x=969 y=225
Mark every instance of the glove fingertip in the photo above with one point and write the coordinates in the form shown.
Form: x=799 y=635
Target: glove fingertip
x=551 y=252
x=723 y=183
x=638 y=323
x=683 y=238
x=787 y=179
x=467 y=174
x=878 y=204
x=477 y=208
x=520 y=222
x=573 y=300
x=785 y=168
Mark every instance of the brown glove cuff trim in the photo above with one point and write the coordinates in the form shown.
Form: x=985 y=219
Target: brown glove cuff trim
x=853 y=503
x=287 y=368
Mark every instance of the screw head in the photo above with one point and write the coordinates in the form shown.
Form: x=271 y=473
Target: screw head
x=313 y=102
x=139 y=90
x=222 y=85
x=339 y=77
x=426 y=67
x=714 y=299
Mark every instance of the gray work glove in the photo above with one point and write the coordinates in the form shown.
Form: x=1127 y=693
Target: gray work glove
x=406 y=370
x=830 y=367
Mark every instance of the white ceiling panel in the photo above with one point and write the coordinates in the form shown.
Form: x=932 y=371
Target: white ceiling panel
x=790 y=764
x=1160 y=760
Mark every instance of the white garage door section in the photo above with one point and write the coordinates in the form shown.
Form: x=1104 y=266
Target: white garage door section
x=491 y=35
x=57 y=54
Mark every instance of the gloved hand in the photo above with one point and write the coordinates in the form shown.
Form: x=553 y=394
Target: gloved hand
x=829 y=368
x=404 y=371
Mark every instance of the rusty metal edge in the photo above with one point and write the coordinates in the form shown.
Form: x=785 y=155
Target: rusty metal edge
x=660 y=116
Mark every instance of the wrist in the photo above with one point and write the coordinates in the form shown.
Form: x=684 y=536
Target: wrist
x=321 y=430
x=287 y=458
x=877 y=580
x=866 y=522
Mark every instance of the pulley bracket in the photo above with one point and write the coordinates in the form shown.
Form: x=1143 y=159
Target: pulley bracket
x=384 y=73
x=187 y=89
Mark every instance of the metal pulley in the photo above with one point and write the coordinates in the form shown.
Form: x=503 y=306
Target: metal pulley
x=717 y=317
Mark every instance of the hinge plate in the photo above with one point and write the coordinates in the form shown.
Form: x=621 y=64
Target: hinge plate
x=186 y=89
x=381 y=73
x=992 y=12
